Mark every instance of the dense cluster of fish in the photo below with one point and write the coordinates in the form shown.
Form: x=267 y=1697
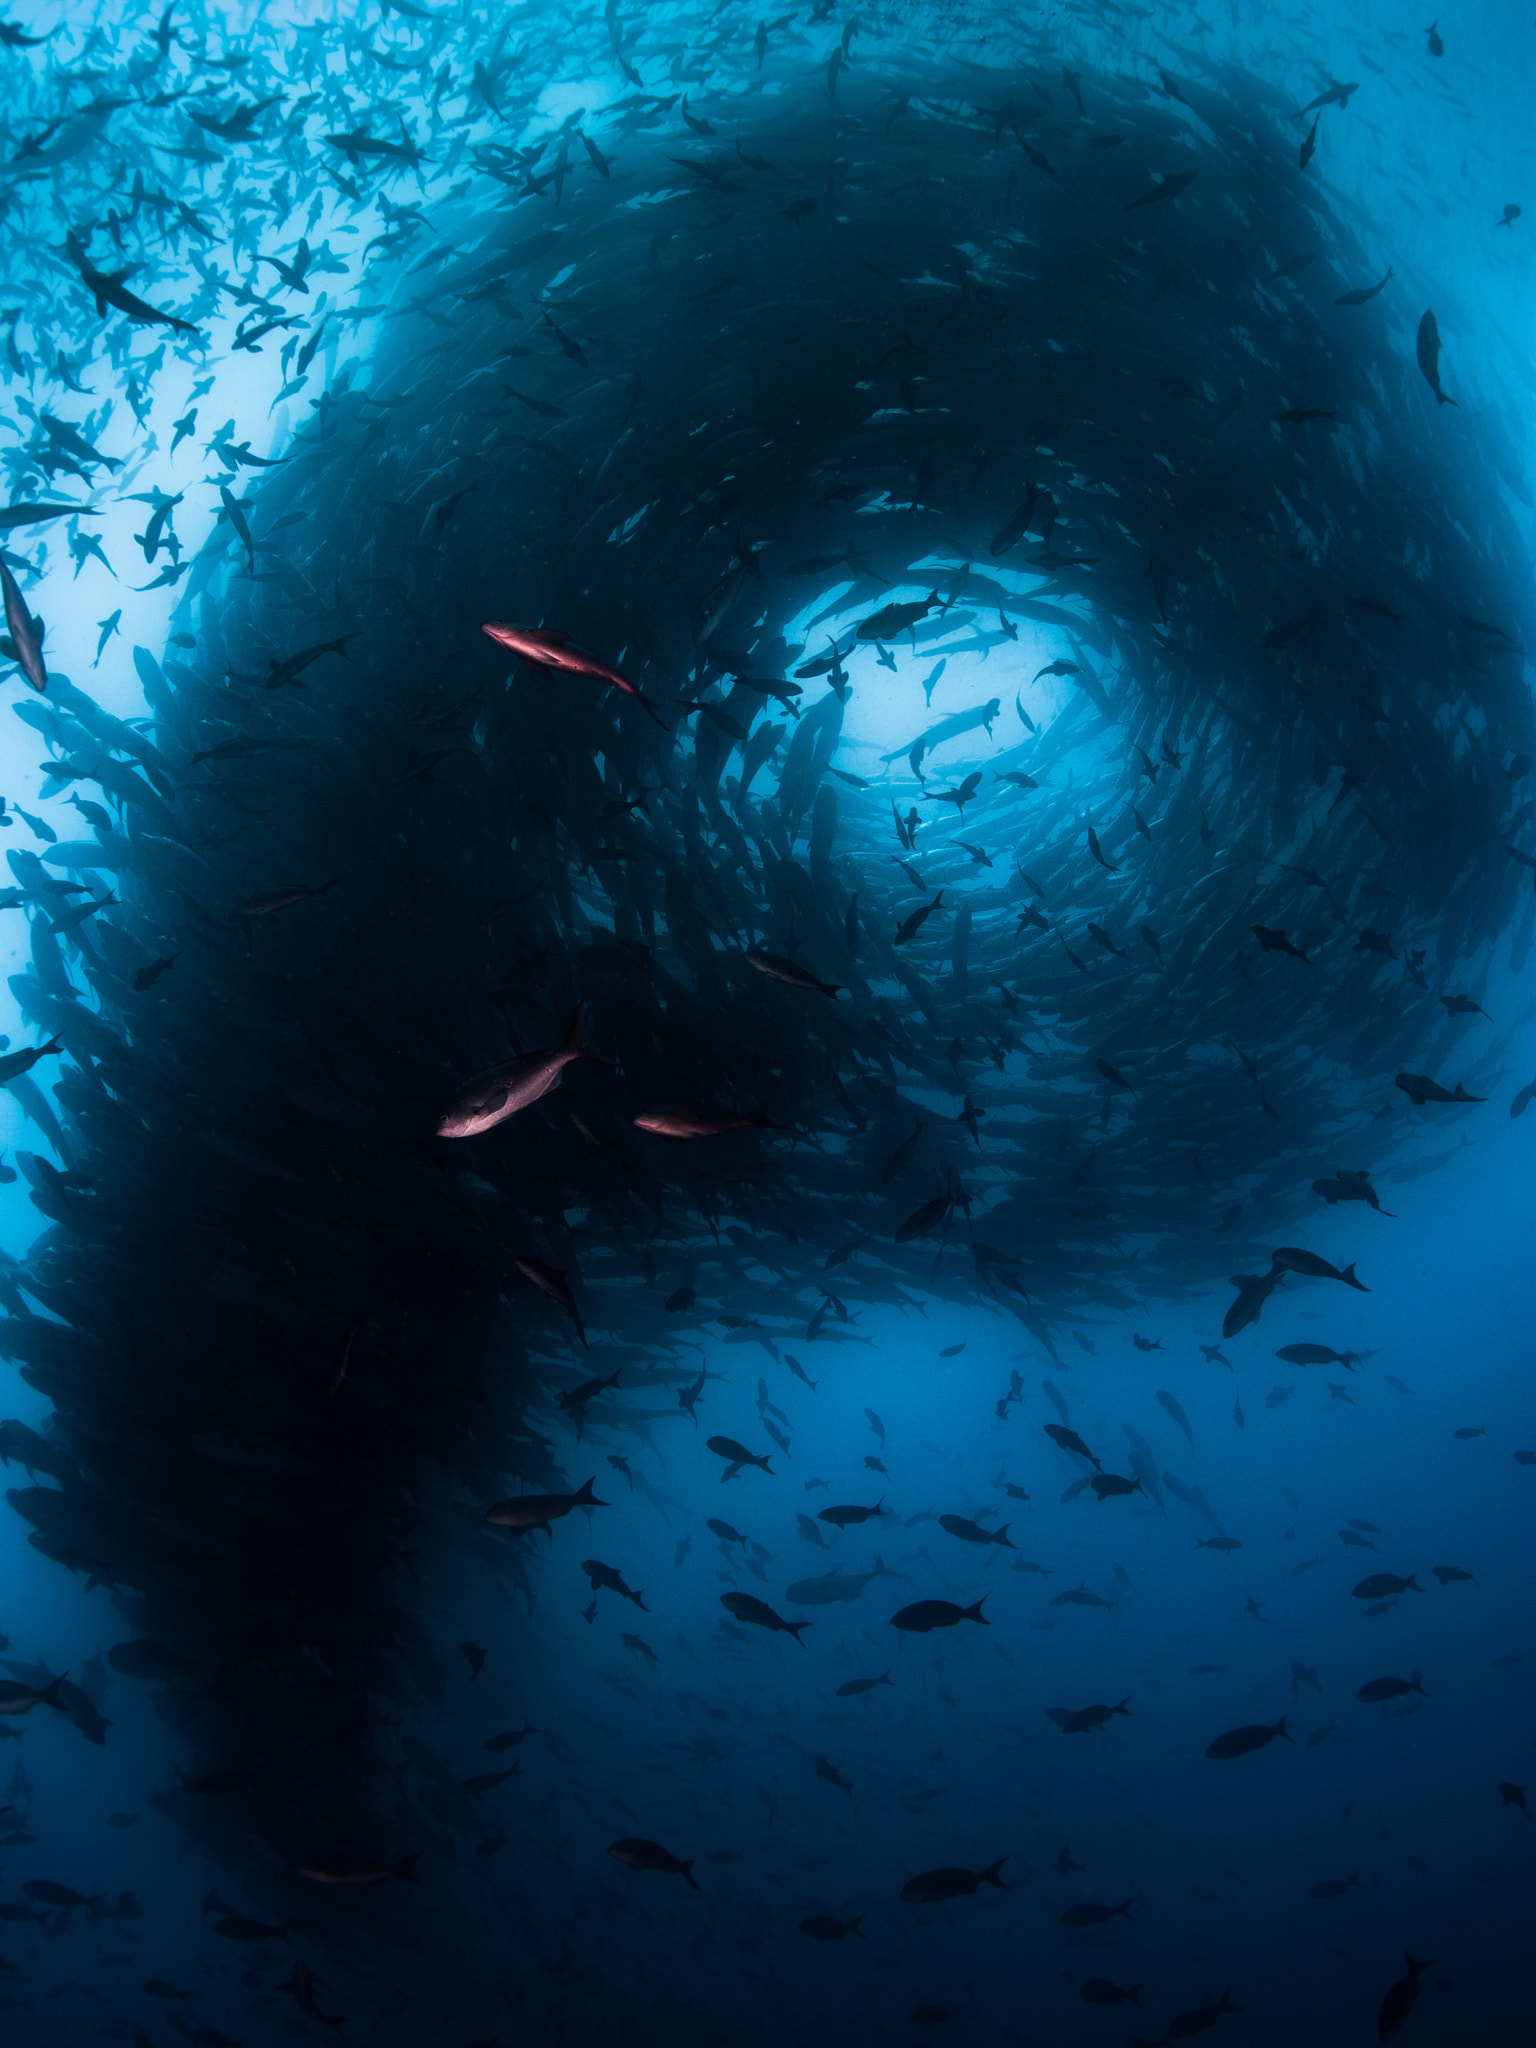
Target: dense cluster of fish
x=535 y=916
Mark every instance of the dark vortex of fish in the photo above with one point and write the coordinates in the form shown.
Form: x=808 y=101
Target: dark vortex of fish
x=292 y=1338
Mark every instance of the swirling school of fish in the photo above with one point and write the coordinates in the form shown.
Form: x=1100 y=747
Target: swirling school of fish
x=1249 y=840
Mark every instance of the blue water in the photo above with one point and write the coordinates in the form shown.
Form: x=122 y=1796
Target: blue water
x=703 y=382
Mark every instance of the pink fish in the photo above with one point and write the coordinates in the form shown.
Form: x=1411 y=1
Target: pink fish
x=545 y=648
x=516 y=1084
x=693 y=1120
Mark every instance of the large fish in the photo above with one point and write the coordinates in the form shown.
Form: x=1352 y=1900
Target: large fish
x=515 y=1085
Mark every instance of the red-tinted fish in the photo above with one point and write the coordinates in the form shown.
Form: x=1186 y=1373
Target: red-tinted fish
x=693 y=1120
x=544 y=647
x=516 y=1084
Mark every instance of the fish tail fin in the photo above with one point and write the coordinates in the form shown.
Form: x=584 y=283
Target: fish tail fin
x=765 y=1465
x=794 y=1627
x=50 y=1692
x=326 y=887
x=1417 y=1969
x=1349 y=1275
x=856 y=1927
x=1413 y=1581
x=406 y=1867
x=1132 y=1997
x=584 y=1497
x=1002 y=1537
x=1123 y=1708
x=882 y=1570
x=1280 y=1730
x=687 y=1871
x=576 y=1042
x=990 y=1876
x=975 y=1613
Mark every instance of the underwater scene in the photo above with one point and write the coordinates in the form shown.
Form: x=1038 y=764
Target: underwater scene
x=768 y=1075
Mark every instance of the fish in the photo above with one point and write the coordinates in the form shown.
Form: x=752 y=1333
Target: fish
x=822 y=1926
x=1427 y=349
x=835 y=1586
x=538 y=1510
x=601 y=1575
x=358 y=1870
x=1419 y=1089
x=1166 y=1400
x=694 y=1120
x=1385 y=1585
x=736 y=1455
x=923 y=1616
x=776 y=968
x=1095 y=1915
x=1100 y=1991
x=503 y=1091
x=1292 y=1259
x=1379 y=1689
x=934 y=1887
x=1069 y=1440
x=1317 y=1354
x=969 y=1532
x=1087 y=1720
x=853 y=1688
x=832 y=1775
x=635 y=1853
x=1243 y=1741
x=851 y=1517
x=1079 y=1596
x=746 y=1607
x=1404 y=1994
x=893 y=619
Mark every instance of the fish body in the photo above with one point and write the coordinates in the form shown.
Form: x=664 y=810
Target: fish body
x=1385 y=1586
x=736 y=1455
x=852 y=1688
x=1427 y=348
x=892 y=619
x=746 y=1607
x=923 y=1616
x=834 y=1587
x=1419 y=1089
x=515 y=1085
x=1403 y=1996
x=694 y=1120
x=1379 y=1689
x=970 y=1532
x=538 y=1510
x=635 y=1853
x=932 y=1887
x=850 y=1517
x=1293 y=1259
x=358 y=1870
x=789 y=972
x=1092 y=1915
x=1244 y=1741
x=1318 y=1354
